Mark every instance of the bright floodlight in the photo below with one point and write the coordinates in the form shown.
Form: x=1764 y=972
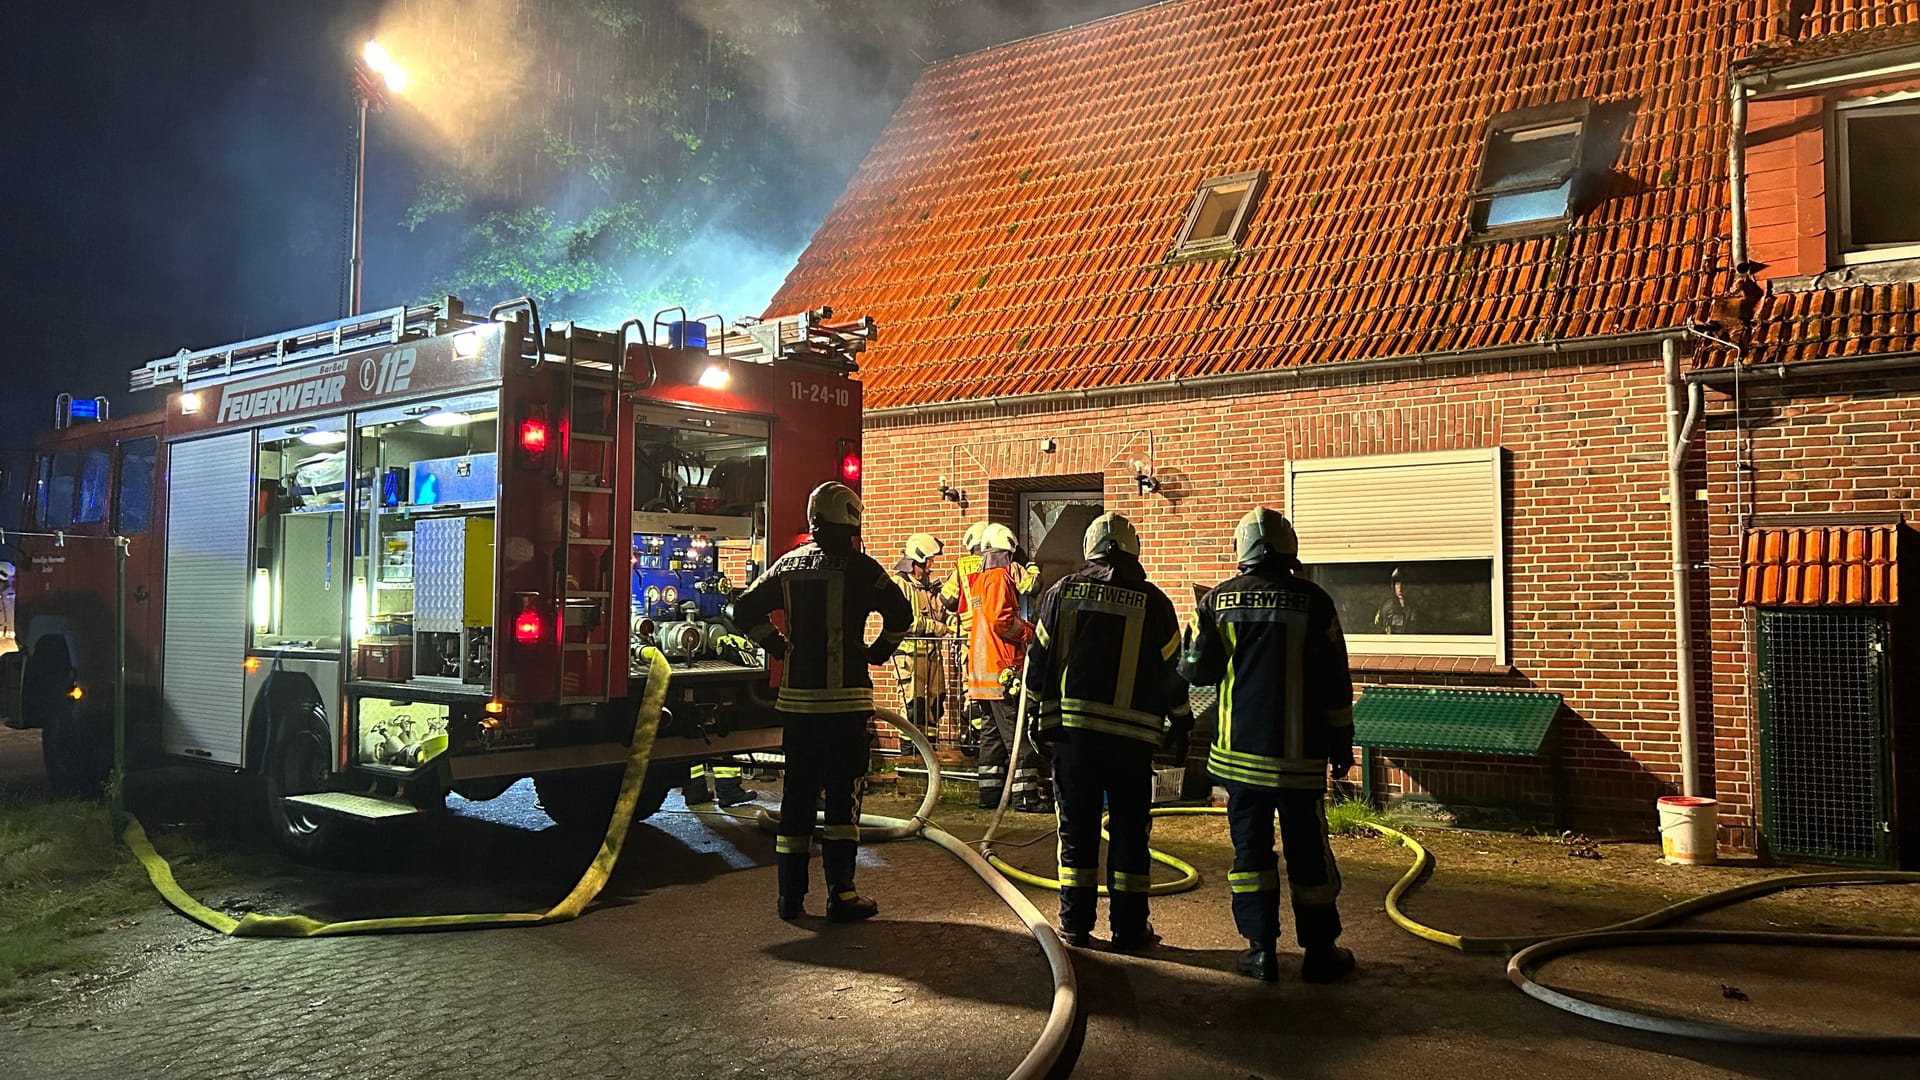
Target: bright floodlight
x=383 y=64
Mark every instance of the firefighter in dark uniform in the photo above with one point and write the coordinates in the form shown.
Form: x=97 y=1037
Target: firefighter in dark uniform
x=827 y=588
x=1102 y=669
x=1272 y=642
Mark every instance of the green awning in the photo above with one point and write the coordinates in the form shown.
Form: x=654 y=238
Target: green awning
x=1463 y=721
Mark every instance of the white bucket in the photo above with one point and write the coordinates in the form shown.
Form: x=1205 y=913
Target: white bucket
x=1689 y=829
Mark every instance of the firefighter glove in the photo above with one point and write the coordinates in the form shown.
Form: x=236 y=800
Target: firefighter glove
x=1010 y=680
x=776 y=647
x=1176 y=744
x=1341 y=762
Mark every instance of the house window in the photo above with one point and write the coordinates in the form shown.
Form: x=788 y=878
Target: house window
x=1527 y=170
x=1410 y=548
x=1878 y=193
x=1218 y=217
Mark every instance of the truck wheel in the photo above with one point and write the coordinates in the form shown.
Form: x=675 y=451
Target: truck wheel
x=299 y=762
x=69 y=741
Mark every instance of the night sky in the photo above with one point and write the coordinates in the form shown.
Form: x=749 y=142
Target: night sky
x=179 y=174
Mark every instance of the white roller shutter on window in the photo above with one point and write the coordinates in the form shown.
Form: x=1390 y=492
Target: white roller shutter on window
x=1400 y=507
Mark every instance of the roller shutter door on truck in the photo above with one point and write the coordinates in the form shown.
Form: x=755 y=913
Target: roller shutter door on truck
x=209 y=503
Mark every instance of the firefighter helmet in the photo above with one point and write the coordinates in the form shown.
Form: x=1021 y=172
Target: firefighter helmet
x=922 y=548
x=997 y=537
x=834 y=503
x=1107 y=533
x=1262 y=534
x=971 y=538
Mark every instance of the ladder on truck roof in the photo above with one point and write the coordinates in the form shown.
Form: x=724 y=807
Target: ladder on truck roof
x=805 y=335
x=223 y=363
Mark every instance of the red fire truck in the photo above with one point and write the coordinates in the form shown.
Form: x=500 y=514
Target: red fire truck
x=420 y=550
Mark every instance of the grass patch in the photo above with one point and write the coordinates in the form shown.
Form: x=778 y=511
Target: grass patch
x=63 y=878
x=1350 y=817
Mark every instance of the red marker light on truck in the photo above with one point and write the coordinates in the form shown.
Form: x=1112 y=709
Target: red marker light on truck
x=533 y=435
x=849 y=462
x=528 y=626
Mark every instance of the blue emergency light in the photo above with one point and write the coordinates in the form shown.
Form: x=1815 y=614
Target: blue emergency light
x=686 y=335
x=69 y=410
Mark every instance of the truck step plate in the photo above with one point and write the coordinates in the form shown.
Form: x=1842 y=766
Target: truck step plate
x=360 y=806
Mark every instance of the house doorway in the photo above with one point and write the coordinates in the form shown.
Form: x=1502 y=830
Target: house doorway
x=1824 y=747
x=1052 y=524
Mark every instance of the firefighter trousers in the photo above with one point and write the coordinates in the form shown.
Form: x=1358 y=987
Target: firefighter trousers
x=726 y=784
x=1313 y=878
x=1087 y=766
x=826 y=755
x=996 y=746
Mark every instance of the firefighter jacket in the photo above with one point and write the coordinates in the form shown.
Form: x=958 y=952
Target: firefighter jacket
x=929 y=614
x=1103 y=653
x=1272 y=642
x=953 y=592
x=827 y=595
x=996 y=635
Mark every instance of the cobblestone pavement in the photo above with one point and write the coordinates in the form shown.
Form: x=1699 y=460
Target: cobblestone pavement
x=681 y=971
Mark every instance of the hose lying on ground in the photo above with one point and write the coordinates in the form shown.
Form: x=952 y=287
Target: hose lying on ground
x=1189 y=878
x=645 y=724
x=1048 y=1048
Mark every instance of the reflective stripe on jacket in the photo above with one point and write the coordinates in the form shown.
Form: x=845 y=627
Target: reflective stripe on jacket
x=997 y=635
x=827 y=596
x=1272 y=642
x=1103 y=653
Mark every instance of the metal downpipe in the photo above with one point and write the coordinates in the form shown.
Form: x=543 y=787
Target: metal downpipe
x=1680 y=429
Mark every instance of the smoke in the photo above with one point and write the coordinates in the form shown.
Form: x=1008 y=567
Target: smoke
x=677 y=151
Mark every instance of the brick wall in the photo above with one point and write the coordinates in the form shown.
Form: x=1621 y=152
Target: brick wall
x=1812 y=446
x=1588 y=596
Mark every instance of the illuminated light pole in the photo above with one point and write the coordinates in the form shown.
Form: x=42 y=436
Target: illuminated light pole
x=374 y=74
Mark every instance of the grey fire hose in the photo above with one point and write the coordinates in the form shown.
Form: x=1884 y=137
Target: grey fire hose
x=1052 y=1043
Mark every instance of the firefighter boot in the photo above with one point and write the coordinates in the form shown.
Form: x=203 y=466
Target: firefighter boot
x=1259 y=962
x=791 y=856
x=1141 y=941
x=1326 y=963
x=850 y=906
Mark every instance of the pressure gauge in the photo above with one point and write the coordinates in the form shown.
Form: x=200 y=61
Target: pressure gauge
x=671 y=595
x=653 y=596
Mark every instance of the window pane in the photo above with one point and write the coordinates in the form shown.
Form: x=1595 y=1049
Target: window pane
x=133 y=502
x=1217 y=212
x=1453 y=596
x=56 y=509
x=1883 y=173
x=1532 y=206
x=1530 y=155
x=93 y=488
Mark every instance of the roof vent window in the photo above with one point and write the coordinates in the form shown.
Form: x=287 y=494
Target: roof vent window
x=1528 y=169
x=1217 y=219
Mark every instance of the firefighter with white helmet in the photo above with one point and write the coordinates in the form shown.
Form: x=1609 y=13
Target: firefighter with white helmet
x=827 y=588
x=1272 y=641
x=997 y=635
x=1102 y=667
x=921 y=665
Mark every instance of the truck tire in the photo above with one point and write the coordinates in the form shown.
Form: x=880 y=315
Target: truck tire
x=583 y=798
x=73 y=745
x=299 y=762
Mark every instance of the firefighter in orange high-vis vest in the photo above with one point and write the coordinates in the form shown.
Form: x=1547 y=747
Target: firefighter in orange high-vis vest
x=828 y=588
x=994 y=649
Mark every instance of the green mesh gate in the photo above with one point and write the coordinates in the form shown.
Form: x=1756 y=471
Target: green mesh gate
x=1823 y=736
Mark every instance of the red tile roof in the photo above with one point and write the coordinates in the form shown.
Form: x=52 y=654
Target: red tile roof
x=1009 y=228
x=1822 y=566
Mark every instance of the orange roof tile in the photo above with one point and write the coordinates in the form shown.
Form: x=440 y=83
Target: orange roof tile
x=1822 y=566
x=1009 y=227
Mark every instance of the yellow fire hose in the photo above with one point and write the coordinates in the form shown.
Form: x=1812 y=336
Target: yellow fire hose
x=299 y=926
